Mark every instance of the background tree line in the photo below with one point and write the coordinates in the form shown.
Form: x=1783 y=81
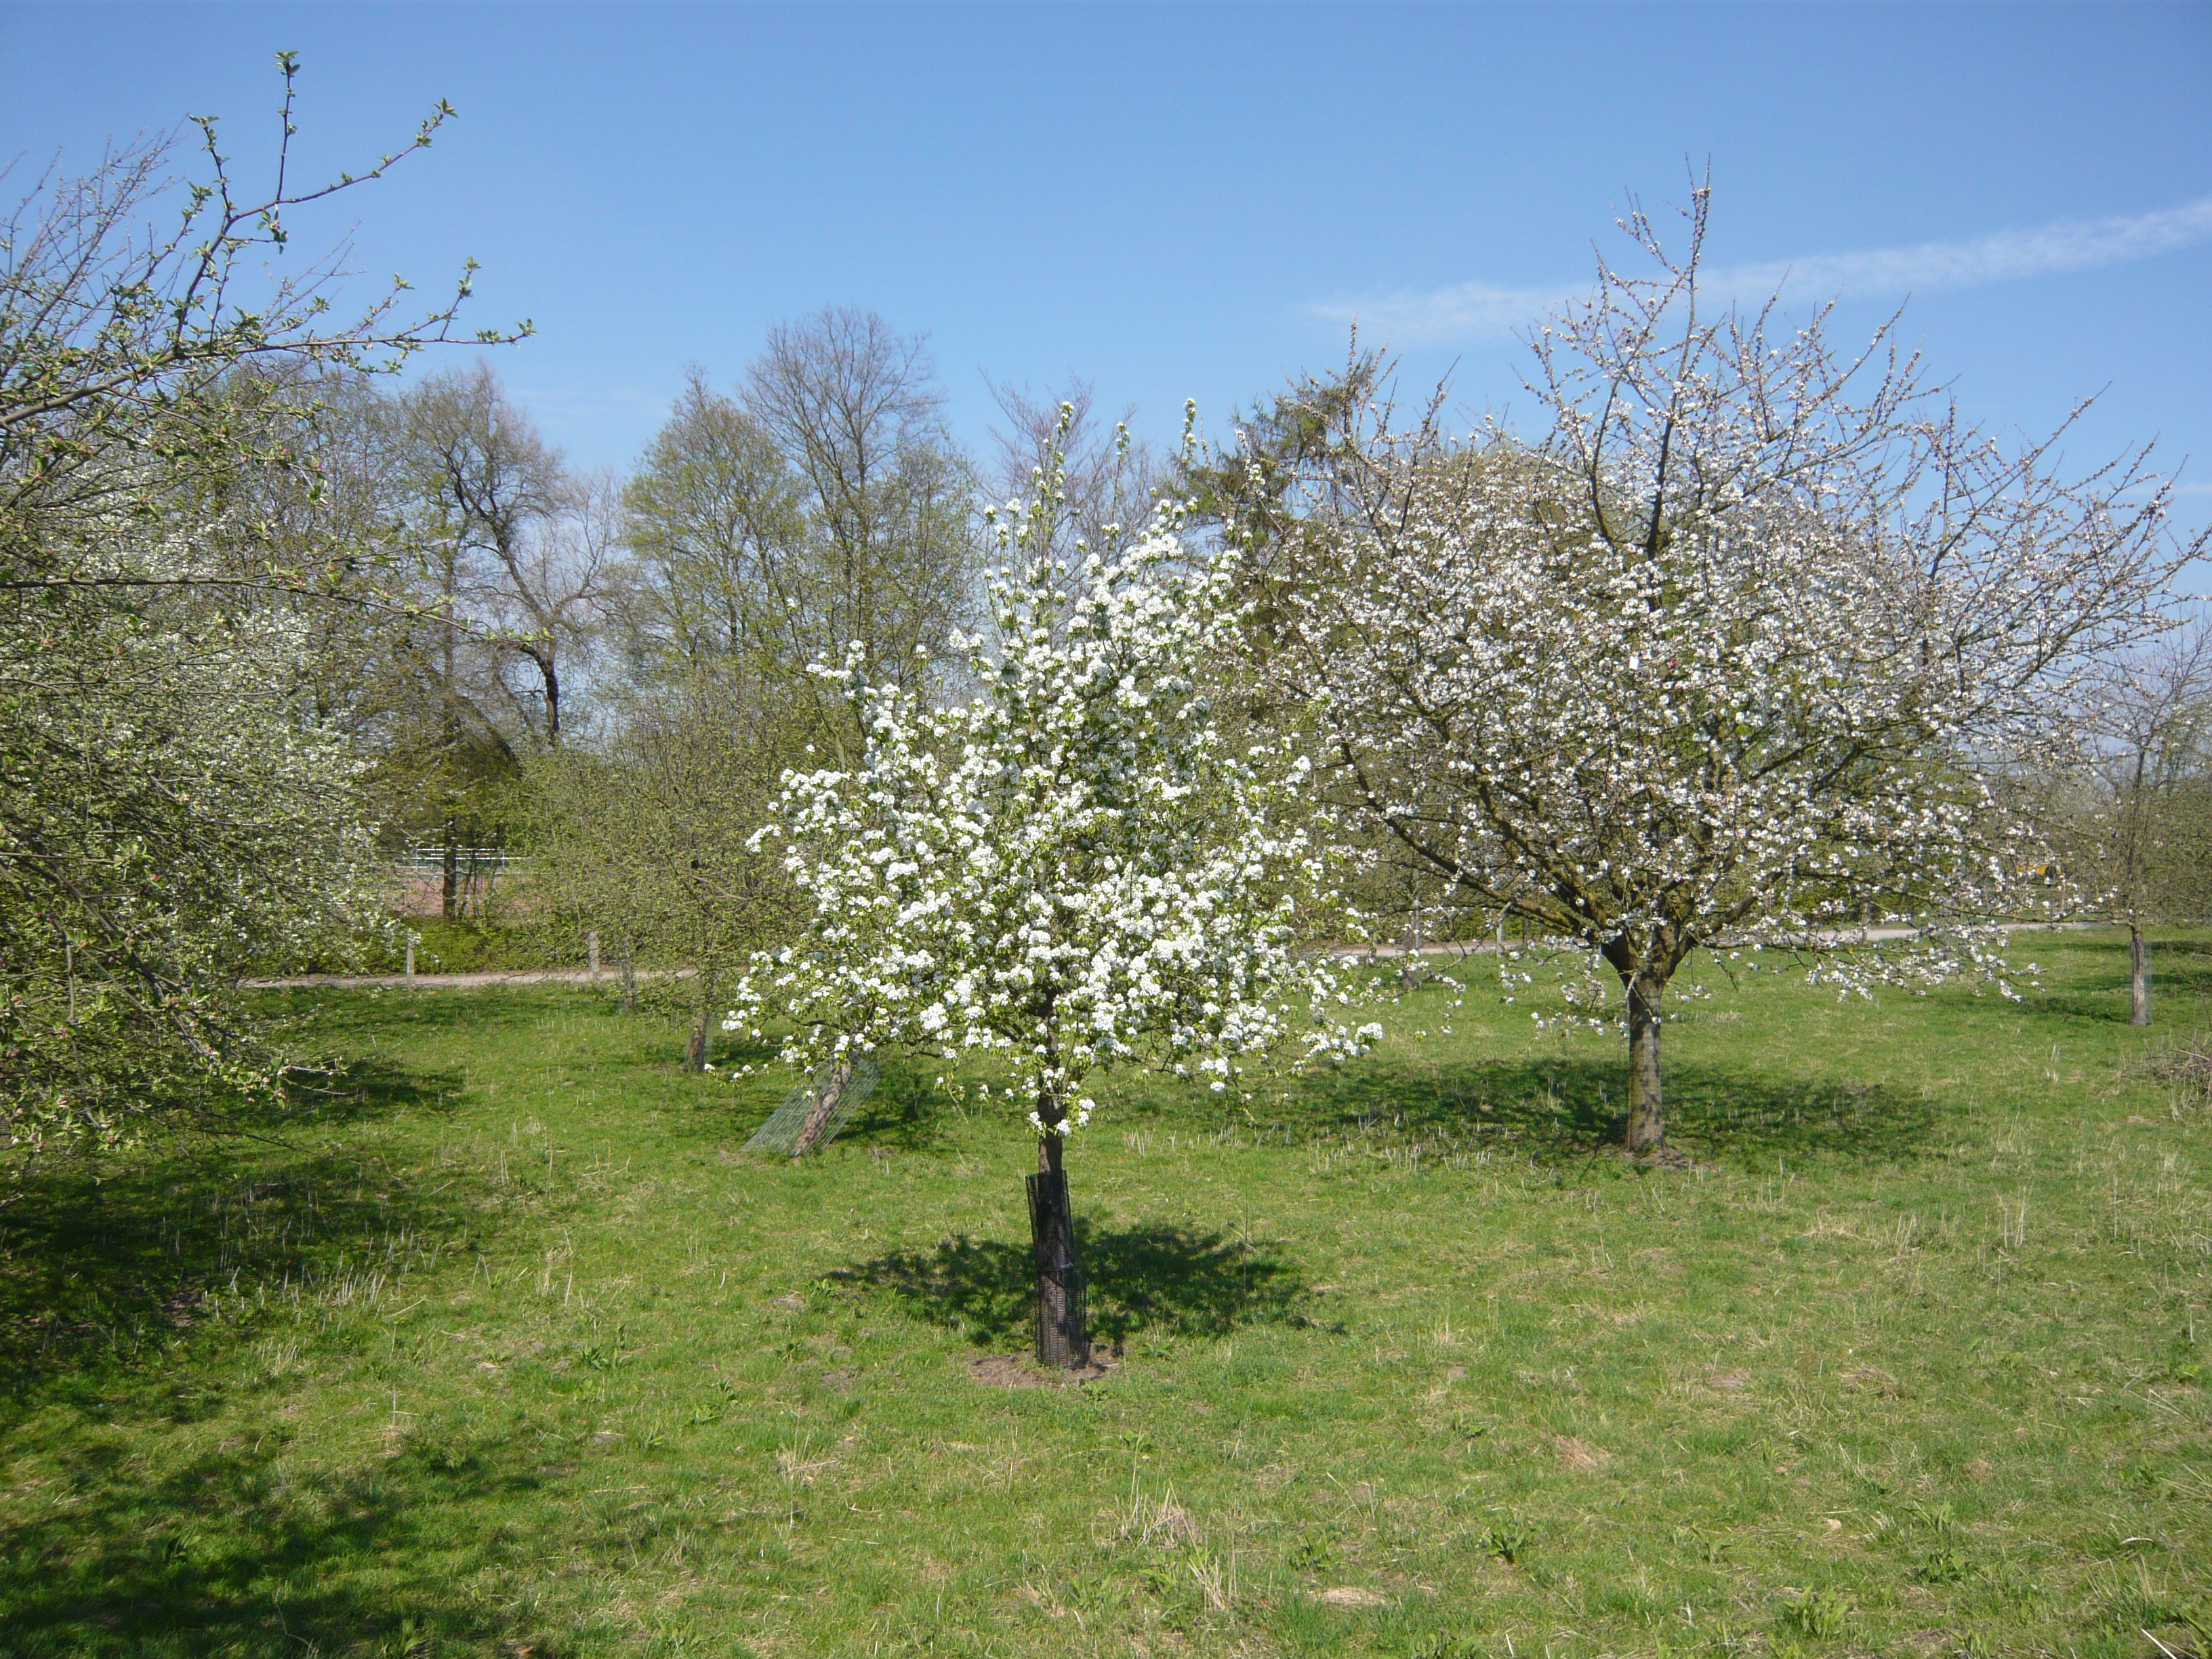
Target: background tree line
x=1753 y=639
x=610 y=675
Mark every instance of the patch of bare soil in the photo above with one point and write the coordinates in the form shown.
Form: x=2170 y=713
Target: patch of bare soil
x=1019 y=1370
x=1868 y=1379
x=182 y=1308
x=1579 y=1453
x=1661 y=1157
x=1350 y=1595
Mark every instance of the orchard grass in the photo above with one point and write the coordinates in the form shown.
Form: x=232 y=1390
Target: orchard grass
x=493 y=1343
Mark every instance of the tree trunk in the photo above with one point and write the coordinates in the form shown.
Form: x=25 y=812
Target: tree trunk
x=1647 y=1126
x=697 y=1058
x=450 y=888
x=552 y=699
x=824 y=1108
x=1063 y=1329
x=2138 y=977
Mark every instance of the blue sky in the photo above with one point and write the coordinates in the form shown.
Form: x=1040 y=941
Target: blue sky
x=1191 y=201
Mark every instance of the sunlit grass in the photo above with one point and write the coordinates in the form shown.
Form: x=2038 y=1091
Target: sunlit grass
x=499 y=1345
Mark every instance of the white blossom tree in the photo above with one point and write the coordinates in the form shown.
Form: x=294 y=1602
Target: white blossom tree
x=1074 y=871
x=1733 y=654
x=178 y=801
x=169 y=816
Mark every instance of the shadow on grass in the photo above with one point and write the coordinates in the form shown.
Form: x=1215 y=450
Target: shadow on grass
x=357 y=1090
x=117 y=1332
x=1142 y=1278
x=224 y=1553
x=1580 y=1106
x=2180 y=985
x=103 y=1263
x=905 y=1111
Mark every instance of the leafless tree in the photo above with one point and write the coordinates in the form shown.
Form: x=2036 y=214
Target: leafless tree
x=515 y=545
x=511 y=551
x=855 y=409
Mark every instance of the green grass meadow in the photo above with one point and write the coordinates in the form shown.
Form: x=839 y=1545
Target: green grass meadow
x=498 y=1346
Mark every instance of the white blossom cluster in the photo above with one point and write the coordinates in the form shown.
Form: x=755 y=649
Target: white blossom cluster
x=1074 y=869
x=1742 y=738
x=174 y=813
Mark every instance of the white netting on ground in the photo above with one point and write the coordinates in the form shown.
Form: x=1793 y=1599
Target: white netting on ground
x=825 y=1100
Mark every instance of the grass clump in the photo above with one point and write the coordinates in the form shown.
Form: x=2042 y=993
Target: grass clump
x=493 y=1343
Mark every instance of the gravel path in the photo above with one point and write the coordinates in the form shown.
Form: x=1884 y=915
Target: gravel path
x=533 y=976
x=579 y=976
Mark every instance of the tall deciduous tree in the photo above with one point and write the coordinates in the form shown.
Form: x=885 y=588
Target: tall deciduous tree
x=1075 y=870
x=721 y=570
x=512 y=551
x=855 y=410
x=1733 y=651
x=513 y=542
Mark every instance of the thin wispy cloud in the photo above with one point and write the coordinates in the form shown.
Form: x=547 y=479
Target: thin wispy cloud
x=1477 y=311
x=577 y=403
